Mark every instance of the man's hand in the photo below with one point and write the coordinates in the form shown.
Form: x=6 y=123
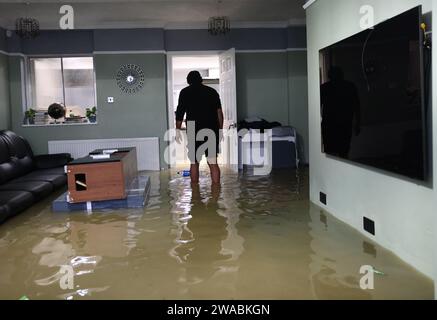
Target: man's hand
x=220 y=135
x=178 y=137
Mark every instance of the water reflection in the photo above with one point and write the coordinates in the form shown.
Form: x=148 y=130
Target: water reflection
x=103 y=238
x=206 y=236
x=337 y=254
x=253 y=238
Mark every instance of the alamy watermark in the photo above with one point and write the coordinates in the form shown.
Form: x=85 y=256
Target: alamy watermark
x=367 y=20
x=66 y=22
x=66 y=281
x=367 y=281
x=257 y=146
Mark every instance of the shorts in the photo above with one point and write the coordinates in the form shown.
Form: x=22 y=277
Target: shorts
x=196 y=149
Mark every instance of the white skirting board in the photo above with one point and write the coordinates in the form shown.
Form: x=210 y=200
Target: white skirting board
x=147 y=149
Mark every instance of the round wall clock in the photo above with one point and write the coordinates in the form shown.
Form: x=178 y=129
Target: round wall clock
x=130 y=78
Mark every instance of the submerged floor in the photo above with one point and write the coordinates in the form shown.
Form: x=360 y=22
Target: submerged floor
x=254 y=238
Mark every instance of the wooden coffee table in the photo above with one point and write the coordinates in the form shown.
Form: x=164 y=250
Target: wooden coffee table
x=101 y=179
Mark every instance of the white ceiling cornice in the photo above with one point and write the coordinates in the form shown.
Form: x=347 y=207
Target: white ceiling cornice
x=308 y=4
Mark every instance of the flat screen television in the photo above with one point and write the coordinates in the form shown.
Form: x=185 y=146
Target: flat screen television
x=372 y=97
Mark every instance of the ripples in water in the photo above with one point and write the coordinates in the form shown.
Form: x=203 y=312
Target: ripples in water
x=252 y=238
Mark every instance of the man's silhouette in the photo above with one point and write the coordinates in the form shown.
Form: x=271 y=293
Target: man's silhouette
x=340 y=106
x=202 y=105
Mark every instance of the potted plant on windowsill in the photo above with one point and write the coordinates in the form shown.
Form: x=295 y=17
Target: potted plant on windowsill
x=91 y=114
x=29 y=116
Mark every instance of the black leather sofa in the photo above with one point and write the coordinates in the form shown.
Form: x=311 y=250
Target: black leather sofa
x=25 y=178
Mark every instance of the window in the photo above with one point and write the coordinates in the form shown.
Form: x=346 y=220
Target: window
x=65 y=80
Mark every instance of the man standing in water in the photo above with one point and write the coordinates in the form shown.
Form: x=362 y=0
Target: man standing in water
x=203 y=110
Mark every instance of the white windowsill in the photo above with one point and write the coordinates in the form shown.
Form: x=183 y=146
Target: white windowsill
x=59 y=124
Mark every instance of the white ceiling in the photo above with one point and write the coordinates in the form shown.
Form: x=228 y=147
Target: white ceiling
x=155 y=13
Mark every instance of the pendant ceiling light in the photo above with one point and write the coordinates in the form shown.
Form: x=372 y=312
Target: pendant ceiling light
x=219 y=24
x=27 y=28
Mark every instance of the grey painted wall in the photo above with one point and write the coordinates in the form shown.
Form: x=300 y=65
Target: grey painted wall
x=128 y=39
x=3 y=46
x=87 y=41
x=274 y=86
x=269 y=85
x=262 y=86
x=4 y=93
x=296 y=37
x=54 y=42
x=140 y=115
x=404 y=211
x=298 y=99
x=4 y=84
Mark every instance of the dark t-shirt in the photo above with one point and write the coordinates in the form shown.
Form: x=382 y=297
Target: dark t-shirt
x=200 y=103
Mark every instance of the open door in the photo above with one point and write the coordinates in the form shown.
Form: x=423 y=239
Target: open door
x=228 y=94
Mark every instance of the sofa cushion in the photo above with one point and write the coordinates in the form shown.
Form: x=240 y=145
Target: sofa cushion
x=39 y=189
x=48 y=161
x=19 y=151
x=56 y=171
x=13 y=202
x=8 y=167
x=57 y=180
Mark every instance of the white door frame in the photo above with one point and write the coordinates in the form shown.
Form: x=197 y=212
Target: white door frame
x=170 y=106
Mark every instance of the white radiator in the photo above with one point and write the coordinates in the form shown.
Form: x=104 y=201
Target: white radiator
x=147 y=149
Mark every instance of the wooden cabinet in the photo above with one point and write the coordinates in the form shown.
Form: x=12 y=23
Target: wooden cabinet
x=102 y=179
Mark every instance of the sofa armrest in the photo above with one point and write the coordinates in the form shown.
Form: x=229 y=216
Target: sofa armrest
x=49 y=161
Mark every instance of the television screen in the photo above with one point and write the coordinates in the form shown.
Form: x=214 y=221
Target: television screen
x=372 y=97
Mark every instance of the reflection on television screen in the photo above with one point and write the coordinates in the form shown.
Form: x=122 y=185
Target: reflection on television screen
x=372 y=97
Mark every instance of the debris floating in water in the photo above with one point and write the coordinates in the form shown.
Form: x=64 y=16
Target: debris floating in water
x=184 y=173
x=378 y=272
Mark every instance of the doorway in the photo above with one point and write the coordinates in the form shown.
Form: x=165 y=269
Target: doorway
x=179 y=65
x=218 y=72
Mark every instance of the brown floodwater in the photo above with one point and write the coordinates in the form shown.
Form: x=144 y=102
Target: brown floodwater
x=253 y=238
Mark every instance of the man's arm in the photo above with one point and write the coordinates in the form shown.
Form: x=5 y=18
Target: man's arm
x=220 y=118
x=180 y=114
x=178 y=124
x=180 y=111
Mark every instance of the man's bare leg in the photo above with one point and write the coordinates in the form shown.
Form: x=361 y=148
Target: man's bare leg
x=215 y=171
x=194 y=173
x=215 y=192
